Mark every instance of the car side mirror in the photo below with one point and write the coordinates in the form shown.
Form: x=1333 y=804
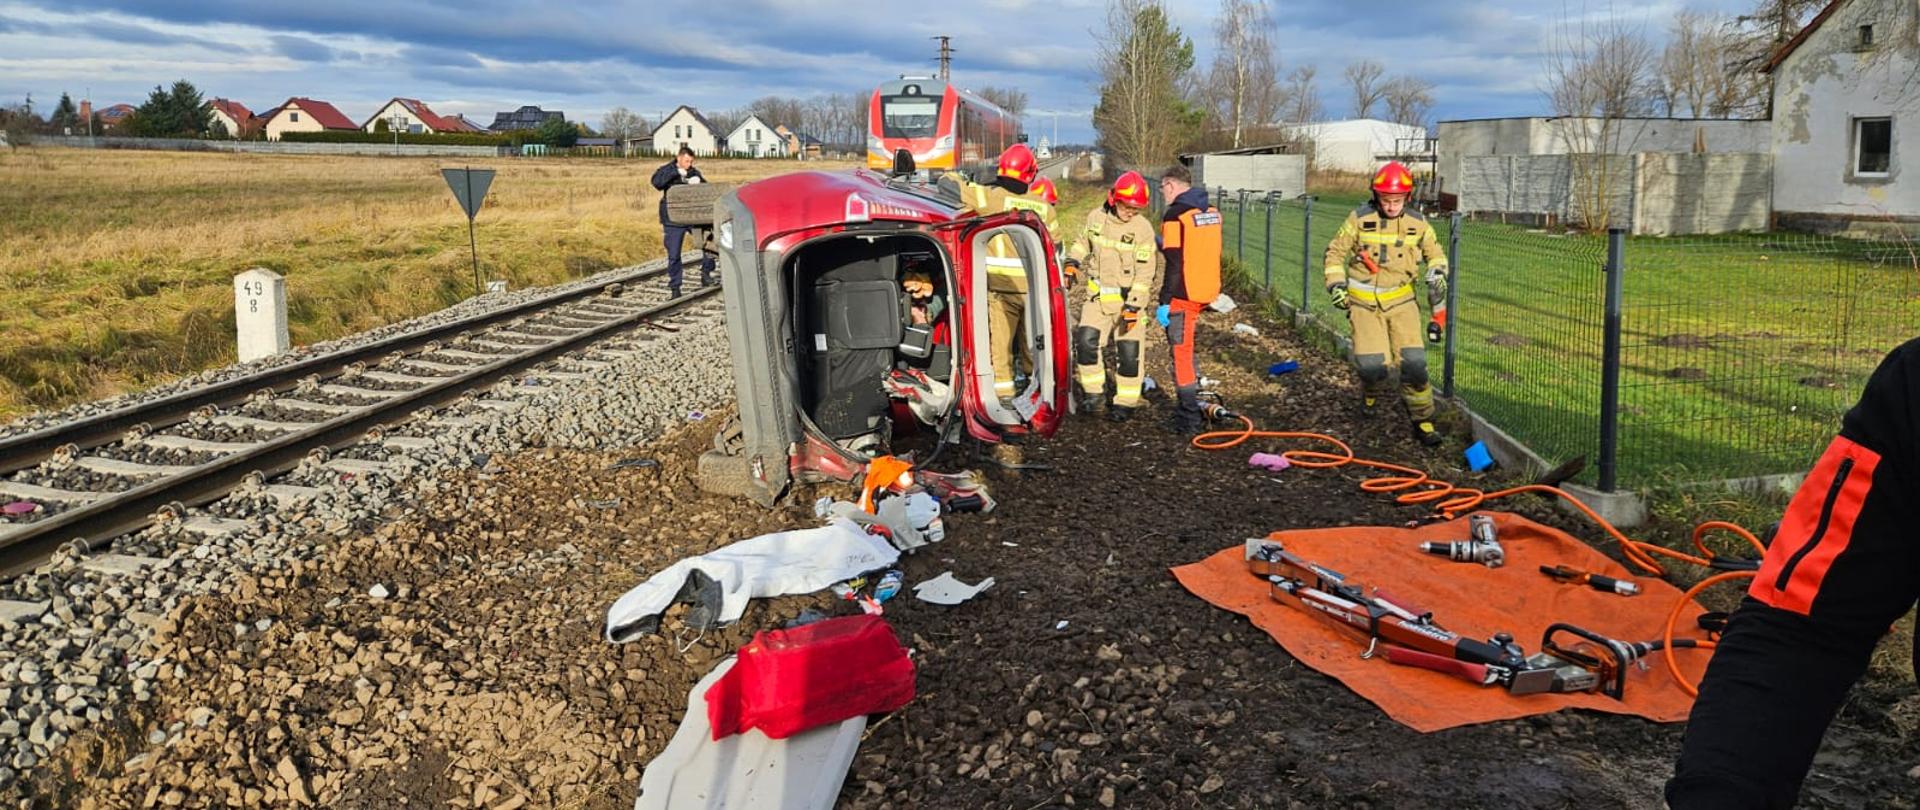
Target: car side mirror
x=902 y=163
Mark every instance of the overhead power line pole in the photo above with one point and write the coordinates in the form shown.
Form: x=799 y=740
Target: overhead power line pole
x=946 y=57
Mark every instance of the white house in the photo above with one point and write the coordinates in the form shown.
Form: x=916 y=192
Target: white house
x=1357 y=145
x=753 y=138
x=1845 y=109
x=686 y=127
x=414 y=116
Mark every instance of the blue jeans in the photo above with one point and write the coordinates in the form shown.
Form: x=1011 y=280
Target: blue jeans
x=675 y=234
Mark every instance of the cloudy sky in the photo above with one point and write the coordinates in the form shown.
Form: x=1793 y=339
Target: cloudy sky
x=481 y=56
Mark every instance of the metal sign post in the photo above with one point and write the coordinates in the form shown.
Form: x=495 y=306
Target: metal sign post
x=470 y=186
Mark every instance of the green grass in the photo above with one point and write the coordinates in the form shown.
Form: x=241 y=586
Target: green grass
x=1739 y=352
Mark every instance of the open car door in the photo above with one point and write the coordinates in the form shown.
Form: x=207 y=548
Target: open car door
x=1041 y=343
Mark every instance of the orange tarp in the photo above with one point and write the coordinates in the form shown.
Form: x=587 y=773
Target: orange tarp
x=1466 y=598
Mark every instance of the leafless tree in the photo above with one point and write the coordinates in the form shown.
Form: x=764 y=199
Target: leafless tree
x=1242 y=89
x=1409 y=99
x=1363 y=78
x=1143 y=116
x=1012 y=100
x=622 y=124
x=1597 y=72
x=1701 y=72
x=1303 y=96
x=778 y=111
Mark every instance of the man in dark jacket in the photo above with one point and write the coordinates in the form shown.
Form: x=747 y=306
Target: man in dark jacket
x=679 y=170
x=1842 y=567
x=1190 y=241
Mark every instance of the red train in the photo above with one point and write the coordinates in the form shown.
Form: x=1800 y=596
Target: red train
x=944 y=126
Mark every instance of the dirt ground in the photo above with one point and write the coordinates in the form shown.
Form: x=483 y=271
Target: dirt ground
x=481 y=680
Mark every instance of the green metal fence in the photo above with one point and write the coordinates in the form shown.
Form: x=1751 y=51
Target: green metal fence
x=1712 y=357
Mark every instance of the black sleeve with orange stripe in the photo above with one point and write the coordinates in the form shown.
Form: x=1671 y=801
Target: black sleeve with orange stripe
x=1844 y=565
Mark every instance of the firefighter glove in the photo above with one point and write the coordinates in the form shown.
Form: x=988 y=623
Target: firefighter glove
x=1436 y=284
x=1337 y=291
x=1160 y=316
x=1129 y=318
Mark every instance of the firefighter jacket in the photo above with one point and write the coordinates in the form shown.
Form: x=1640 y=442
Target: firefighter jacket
x=1397 y=245
x=1116 y=259
x=1005 y=271
x=1190 y=239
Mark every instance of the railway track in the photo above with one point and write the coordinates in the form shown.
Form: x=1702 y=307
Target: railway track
x=100 y=477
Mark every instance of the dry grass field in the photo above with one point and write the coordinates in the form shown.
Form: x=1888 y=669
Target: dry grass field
x=116 y=266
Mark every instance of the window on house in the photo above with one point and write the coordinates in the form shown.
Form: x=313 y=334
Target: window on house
x=294 y=117
x=1866 y=36
x=1872 y=147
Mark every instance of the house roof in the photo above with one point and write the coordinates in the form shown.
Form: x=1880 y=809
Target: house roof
x=691 y=111
x=420 y=112
x=527 y=117
x=116 y=112
x=324 y=114
x=232 y=109
x=461 y=123
x=1805 y=32
x=748 y=120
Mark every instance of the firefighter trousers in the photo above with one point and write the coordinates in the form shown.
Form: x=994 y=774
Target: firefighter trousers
x=1128 y=347
x=1183 y=319
x=1390 y=338
x=1842 y=567
x=1006 y=330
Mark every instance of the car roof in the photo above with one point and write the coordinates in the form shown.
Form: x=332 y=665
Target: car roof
x=814 y=199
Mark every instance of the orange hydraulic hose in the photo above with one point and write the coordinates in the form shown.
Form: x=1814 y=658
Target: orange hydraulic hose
x=1451 y=501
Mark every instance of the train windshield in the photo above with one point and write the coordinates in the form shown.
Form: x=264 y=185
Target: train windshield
x=909 y=116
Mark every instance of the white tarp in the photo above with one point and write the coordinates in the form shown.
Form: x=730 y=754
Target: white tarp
x=776 y=564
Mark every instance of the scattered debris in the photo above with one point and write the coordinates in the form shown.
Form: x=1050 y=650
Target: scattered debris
x=1272 y=462
x=1245 y=329
x=1223 y=304
x=945 y=590
x=1479 y=459
x=378 y=591
x=1283 y=367
x=721 y=582
x=631 y=463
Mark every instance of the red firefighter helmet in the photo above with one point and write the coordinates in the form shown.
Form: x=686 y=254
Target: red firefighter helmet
x=1393 y=178
x=1018 y=163
x=1044 y=188
x=1130 y=189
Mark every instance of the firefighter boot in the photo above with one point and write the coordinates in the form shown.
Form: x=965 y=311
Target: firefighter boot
x=1091 y=404
x=1429 y=436
x=1119 y=413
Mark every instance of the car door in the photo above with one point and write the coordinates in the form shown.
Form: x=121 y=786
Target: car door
x=1038 y=407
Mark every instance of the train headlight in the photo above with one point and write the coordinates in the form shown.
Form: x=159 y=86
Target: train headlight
x=944 y=143
x=873 y=144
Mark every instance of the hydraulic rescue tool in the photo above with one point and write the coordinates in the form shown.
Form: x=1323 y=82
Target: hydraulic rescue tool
x=1588 y=662
x=1484 y=548
x=1598 y=582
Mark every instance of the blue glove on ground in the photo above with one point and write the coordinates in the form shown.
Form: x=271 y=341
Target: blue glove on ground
x=1160 y=315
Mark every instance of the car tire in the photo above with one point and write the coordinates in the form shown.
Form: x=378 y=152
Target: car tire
x=692 y=205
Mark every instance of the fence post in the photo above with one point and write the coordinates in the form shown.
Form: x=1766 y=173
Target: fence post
x=1240 y=244
x=1610 y=360
x=1267 y=244
x=1306 y=257
x=1453 y=298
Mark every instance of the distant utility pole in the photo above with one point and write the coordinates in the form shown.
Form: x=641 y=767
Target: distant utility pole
x=946 y=57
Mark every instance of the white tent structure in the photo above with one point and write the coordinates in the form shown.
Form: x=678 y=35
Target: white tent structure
x=1358 y=145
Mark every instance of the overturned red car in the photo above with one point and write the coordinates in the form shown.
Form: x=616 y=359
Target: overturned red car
x=856 y=311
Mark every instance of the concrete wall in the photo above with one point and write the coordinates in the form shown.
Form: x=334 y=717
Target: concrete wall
x=1821 y=88
x=270 y=148
x=1459 y=140
x=1286 y=174
x=1692 y=194
x=1651 y=193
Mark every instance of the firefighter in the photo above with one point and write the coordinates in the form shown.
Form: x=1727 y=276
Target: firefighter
x=1117 y=249
x=1842 y=567
x=1386 y=319
x=1006 y=273
x=1190 y=241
